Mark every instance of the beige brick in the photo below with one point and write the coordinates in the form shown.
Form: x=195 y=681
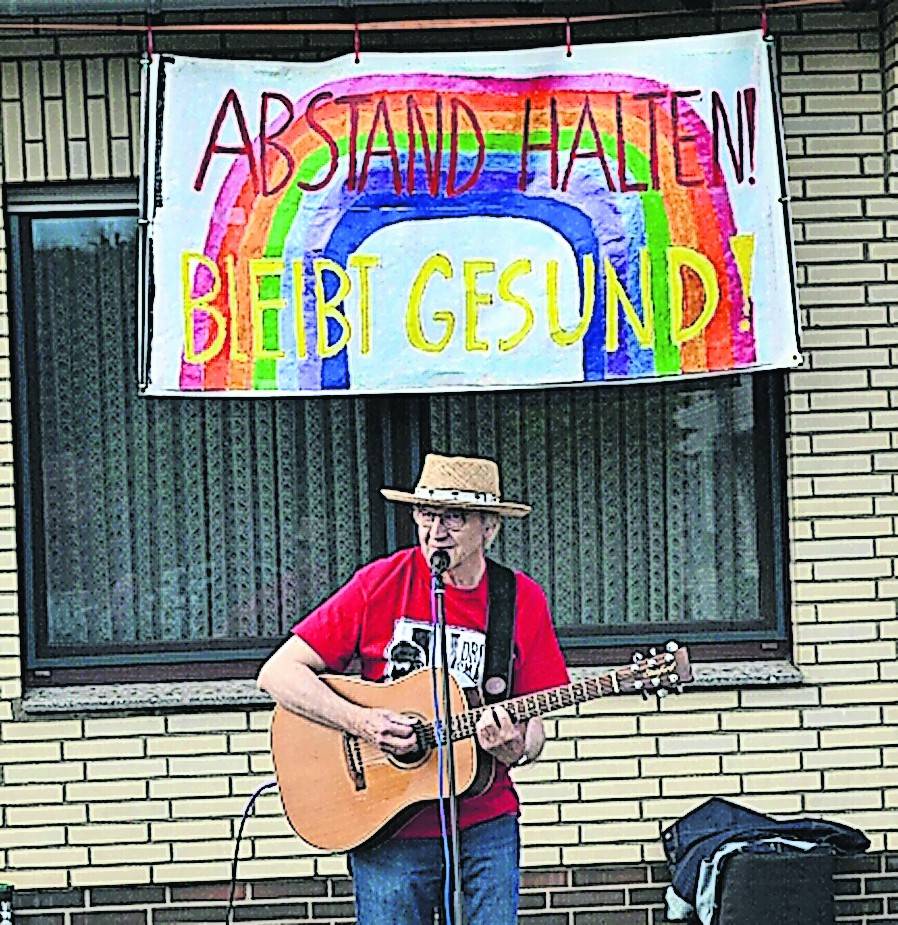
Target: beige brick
x=681 y=765
x=216 y=850
x=777 y=741
x=596 y=854
x=830 y=717
x=821 y=633
x=842 y=738
x=198 y=830
x=843 y=800
x=110 y=727
x=700 y=701
x=761 y=720
x=858 y=778
x=189 y=745
x=659 y=724
x=208 y=765
x=611 y=789
x=782 y=783
x=29 y=752
x=857 y=442
x=107 y=834
x=157 y=853
x=48 y=857
x=539 y=814
x=597 y=727
x=859 y=651
x=204 y=872
x=38 y=879
x=47 y=732
x=51 y=772
x=841 y=673
x=207 y=722
x=761 y=761
x=30 y=793
x=97 y=791
x=867 y=693
x=815 y=507
x=232 y=806
x=264 y=826
x=600 y=810
x=48 y=814
x=260 y=719
x=120 y=874
x=719 y=785
x=132 y=768
x=856 y=610
x=842 y=758
x=600 y=768
x=175 y=787
x=129 y=811
x=43 y=836
x=697 y=744
x=621 y=831
x=249 y=742
x=627 y=746
x=104 y=748
x=835 y=569
x=557 y=834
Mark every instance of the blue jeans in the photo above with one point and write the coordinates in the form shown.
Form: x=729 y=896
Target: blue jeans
x=400 y=881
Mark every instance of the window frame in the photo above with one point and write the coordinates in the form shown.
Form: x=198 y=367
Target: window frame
x=402 y=444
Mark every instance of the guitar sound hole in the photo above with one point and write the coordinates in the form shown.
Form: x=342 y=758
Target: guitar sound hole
x=417 y=757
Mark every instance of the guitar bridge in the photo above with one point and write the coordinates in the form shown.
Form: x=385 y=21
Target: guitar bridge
x=352 y=752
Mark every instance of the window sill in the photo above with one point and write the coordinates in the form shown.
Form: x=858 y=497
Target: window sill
x=242 y=694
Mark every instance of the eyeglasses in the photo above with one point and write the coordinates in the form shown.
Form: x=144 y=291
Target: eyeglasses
x=452 y=518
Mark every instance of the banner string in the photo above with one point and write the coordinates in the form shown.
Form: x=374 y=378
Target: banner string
x=567 y=35
x=403 y=25
x=357 y=43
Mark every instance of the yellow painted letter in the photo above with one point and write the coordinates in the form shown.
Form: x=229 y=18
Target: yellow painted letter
x=436 y=263
x=677 y=258
x=299 y=314
x=559 y=335
x=202 y=303
x=327 y=308
x=260 y=267
x=364 y=263
x=474 y=299
x=506 y=278
x=615 y=294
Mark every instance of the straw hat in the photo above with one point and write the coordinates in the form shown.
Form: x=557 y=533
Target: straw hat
x=459 y=481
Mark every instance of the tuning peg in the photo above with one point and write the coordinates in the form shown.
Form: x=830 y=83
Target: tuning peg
x=656 y=682
x=671 y=646
x=679 y=689
x=653 y=651
x=637 y=685
x=637 y=656
x=668 y=658
x=662 y=693
x=673 y=678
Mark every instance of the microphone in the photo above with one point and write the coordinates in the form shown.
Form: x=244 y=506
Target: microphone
x=439 y=561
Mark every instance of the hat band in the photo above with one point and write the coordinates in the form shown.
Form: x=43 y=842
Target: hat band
x=456 y=494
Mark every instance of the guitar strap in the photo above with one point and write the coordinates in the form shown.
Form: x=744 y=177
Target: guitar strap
x=499 y=632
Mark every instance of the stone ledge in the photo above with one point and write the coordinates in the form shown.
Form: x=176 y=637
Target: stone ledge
x=243 y=694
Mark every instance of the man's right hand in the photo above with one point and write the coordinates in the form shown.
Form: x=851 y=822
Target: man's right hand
x=391 y=732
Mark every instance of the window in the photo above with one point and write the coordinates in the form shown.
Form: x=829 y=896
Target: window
x=185 y=536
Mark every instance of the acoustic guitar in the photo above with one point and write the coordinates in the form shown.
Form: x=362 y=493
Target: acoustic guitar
x=340 y=791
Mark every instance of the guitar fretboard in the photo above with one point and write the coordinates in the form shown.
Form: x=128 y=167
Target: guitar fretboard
x=464 y=725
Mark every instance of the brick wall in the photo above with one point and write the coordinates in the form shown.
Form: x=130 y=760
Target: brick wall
x=146 y=806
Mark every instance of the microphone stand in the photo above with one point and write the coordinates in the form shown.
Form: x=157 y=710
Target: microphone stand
x=438 y=566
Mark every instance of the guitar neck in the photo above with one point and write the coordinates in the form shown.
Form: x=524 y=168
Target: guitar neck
x=523 y=708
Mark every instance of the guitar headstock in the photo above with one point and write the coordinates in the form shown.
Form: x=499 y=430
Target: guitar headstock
x=658 y=672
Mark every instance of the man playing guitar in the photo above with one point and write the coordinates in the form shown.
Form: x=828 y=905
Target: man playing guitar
x=383 y=616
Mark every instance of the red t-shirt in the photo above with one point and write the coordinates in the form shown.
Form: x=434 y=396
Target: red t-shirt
x=383 y=615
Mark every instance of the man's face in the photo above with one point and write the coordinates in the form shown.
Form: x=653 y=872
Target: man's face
x=463 y=534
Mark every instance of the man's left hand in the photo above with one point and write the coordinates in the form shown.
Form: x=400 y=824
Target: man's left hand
x=499 y=736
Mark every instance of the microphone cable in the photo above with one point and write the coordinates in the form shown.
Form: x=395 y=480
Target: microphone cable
x=250 y=803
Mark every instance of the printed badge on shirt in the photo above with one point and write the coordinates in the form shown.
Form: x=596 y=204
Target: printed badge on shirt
x=413 y=640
